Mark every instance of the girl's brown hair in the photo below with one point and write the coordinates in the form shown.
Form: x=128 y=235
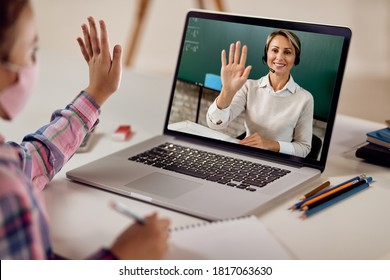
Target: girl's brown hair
x=10 y=11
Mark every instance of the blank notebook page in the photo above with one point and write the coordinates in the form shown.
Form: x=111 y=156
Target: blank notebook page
x=234 y=239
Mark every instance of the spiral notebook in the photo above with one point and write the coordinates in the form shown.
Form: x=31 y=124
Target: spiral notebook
x=243 y=238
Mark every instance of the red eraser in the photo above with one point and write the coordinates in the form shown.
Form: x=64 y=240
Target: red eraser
x=122 y=133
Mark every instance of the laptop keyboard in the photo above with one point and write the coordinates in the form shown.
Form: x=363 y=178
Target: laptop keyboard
x=225 y=170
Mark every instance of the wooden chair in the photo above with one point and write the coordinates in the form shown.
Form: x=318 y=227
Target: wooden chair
x=139 y=19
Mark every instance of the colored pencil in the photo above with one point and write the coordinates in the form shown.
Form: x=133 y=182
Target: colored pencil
x=343 y=196
x=316 y=190
x=299 y=204
x=324 y=195
x=337 y=193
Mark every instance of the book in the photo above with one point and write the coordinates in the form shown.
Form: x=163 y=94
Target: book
x=380 y=137
x=374 y=153
x=233 y=239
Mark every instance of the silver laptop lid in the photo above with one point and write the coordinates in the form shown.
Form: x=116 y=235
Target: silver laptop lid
x=319 y=71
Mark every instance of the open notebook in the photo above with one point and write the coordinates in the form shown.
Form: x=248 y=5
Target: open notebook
x=244 y=238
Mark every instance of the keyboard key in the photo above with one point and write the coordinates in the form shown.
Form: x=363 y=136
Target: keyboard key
x=185 y=171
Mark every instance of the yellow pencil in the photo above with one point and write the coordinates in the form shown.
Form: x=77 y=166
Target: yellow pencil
x=316 y=190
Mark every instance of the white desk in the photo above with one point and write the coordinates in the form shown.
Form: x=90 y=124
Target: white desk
x=81 y=221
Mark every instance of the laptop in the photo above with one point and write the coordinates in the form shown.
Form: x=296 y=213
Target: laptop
x=194 y=169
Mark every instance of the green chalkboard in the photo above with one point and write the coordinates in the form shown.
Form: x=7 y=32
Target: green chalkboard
x=317 y=71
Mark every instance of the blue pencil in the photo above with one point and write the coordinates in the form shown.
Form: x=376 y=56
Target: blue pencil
x=328 y=203
x=299 y=204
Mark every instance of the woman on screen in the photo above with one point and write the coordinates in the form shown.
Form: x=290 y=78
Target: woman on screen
x=279 y=113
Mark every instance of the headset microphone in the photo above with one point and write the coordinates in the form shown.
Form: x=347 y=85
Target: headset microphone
x=272 y=70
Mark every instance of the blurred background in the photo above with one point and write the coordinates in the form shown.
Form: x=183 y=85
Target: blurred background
x=366 y=88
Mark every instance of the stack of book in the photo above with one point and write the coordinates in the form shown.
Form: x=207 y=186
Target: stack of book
x=377 y=150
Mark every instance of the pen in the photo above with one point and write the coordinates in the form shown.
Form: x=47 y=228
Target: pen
x=121 y=208
x=330 y=202
x=316 y=190
x=299 y=204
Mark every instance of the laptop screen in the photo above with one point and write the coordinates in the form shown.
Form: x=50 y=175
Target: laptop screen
x=283 y=106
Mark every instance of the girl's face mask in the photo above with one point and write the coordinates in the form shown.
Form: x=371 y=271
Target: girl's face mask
x=14 y=98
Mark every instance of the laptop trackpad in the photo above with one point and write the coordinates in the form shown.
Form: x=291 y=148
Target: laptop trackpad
x=163 y=185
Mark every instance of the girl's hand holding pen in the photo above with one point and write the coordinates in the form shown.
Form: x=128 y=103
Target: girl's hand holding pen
x=143 y=241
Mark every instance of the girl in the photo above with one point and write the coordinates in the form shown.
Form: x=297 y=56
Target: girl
x=25 y=169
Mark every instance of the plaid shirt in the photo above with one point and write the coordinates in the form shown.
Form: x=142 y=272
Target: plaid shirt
x=25 y=170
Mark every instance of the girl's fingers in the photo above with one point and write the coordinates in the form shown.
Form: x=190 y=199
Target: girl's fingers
x=94 y=36
x=83 y=49
x=116 y=65
x=87 y=39
x=105 y=48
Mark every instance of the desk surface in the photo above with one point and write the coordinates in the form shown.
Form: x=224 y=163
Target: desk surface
x=82 y=222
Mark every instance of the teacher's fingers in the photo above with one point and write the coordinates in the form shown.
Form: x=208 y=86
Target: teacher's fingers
x=243 y=55
x=251 y=139
x=246 y=72
x=250 y=142
x=237 y=52
x=223 y=58
x=231 y=53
